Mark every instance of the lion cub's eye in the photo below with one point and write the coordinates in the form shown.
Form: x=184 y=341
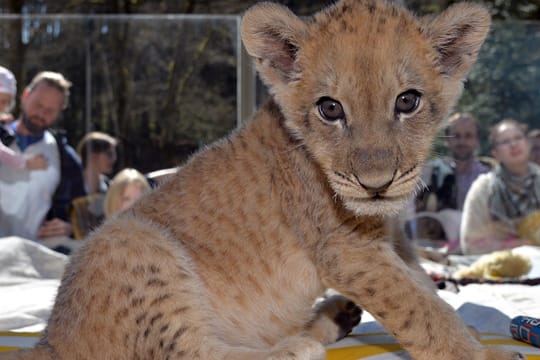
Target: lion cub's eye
x=407 y=101
x=330 y=109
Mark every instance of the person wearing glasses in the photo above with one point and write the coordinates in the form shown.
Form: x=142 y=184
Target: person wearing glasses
x=502 y=208
x=97 y=151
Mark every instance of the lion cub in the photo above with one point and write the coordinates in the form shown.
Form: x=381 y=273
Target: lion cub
x=225 y=260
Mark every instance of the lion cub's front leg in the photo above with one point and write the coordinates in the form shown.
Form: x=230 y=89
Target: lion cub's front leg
x=373 y=276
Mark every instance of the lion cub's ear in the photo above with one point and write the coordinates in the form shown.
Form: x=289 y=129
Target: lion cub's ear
x=457 y=34
x=272 y=35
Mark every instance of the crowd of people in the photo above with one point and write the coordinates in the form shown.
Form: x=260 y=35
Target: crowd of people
x=499 y=201
x=48 y=190
x=475 y=205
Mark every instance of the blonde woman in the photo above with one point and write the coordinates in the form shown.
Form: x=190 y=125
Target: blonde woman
x=125 y=188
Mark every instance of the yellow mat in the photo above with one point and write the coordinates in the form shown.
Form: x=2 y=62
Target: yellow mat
x=371 y=346
x=375 y=346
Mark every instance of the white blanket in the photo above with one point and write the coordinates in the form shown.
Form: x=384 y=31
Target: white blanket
x=29 y=278
x=30 y=275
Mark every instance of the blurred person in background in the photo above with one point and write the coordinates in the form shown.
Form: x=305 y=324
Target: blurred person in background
x=502 y=207
x=25 y=196
x=71 y=186
x=8 y=91
x=97 y=151
x=447 y=180
x=125 y=188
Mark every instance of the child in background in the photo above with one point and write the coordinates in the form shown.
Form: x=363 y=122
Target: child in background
x=125 y=188
x=8 y=91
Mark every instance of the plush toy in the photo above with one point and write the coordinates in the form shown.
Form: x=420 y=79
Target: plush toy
x=497 y=265
x=529 y=228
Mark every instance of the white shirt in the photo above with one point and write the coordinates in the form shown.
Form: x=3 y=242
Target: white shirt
x=26 y=195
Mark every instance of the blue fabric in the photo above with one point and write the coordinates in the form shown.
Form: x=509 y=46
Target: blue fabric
x=24 y=141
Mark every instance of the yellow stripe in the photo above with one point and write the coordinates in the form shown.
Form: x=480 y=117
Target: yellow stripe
x=504 y=342
x=345 y=353
x=7 y=348
x=19 y=334
x=356 y=352
x=365 y=351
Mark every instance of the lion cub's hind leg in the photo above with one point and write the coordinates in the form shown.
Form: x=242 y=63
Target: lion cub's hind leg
x=132 y=292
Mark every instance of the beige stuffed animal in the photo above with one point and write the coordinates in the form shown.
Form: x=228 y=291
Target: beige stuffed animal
x=529 y=228
x=496 y=265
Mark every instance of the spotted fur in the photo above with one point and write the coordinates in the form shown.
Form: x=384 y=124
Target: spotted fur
x=226 y=260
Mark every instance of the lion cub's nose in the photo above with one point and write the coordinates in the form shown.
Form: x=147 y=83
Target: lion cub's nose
x=374 y=168
x=374 y=188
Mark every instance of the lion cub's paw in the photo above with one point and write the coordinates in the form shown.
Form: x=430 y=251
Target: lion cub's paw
x=335 y=317
x=347 y=317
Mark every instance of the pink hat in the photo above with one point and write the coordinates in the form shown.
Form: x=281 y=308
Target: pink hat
x=8 y=84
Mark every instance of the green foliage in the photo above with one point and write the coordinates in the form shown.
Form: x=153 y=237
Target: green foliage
x=505 y=81
x=166 y=85
x=162 y=85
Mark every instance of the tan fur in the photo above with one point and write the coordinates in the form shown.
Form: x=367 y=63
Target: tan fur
x=225 y=260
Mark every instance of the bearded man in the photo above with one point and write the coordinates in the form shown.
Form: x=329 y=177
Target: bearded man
x=25 y=196
x=446 y=181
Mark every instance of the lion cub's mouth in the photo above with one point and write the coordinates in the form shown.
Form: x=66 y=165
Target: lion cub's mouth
x=387 y=200
x=376 y=205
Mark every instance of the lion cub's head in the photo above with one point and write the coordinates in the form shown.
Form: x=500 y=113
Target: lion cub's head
x=364 y=85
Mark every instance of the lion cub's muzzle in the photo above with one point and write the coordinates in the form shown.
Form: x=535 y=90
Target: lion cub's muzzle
x=374 y=169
